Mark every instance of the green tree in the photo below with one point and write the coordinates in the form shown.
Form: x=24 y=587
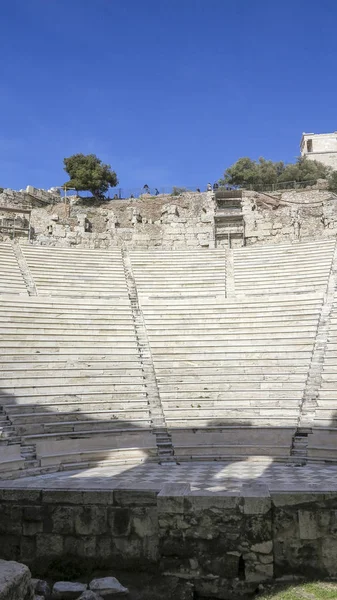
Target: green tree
x=257 y=174
x=87 y=172
x=305 y=170
x=251 y=173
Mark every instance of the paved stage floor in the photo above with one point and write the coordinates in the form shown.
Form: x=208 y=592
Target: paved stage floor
x=210 y=476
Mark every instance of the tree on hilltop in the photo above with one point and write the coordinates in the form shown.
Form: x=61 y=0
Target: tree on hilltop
x=305 y=170
x=88 y=173
x=255 y=174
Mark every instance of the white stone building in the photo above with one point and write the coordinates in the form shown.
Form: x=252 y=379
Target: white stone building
x=321 y=147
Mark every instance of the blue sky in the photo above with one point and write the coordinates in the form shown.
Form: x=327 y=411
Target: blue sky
x=169 y=92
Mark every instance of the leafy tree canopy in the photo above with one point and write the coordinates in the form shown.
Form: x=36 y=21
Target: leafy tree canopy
x=255 y=174
x=87 y=172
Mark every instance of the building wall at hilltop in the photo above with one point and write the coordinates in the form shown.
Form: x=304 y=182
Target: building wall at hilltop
x=177 y=222
x=321 y=147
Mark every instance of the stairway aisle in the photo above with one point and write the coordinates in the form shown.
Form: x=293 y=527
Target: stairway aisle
x=163 y=438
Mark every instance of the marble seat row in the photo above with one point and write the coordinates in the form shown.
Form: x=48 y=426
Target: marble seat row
x=76 y=272
x=71 y=377
x=301 y=267
x=323 y=441
x=11 y=279
x=222 y=369
x=255 y=270
x=179 y=272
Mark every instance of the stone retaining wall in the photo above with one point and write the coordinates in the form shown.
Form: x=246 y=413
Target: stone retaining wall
x=173 y=222
x=219 y=542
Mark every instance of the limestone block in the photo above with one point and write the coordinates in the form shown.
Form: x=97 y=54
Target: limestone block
x=170 y=209
x=137 y=497
x=263 y=547
x=256 y=499
x=15 y=581
x=200 y=501
x=145 y=522
x=108 y=587
x=32 y=527
x=91 y=520
x=171 y=497
x=329 y=553
x=10 y=519
x=63 y=519
x=48 y=544
x=59 y=231
x=120 y=521
x=80 y=545
x=104 y=546
x=67 y=590
x=308 y=525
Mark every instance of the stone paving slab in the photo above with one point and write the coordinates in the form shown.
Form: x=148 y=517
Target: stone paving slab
x=208 y=476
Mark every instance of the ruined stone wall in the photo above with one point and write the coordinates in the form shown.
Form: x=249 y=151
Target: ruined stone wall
x=12 y=199
x=163 y=221
x=292 y=215
x=220 y=542
x=176 y=222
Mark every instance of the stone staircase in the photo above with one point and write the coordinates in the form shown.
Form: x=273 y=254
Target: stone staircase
x=11 y=277
x=163 y=438
x=25 y=272
x=229 y=225
x=309 y=403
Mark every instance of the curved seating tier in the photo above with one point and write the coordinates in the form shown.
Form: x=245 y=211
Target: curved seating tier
x=71 y=378
x=179 y=272
x=241 y=365
x=76 y=272
x=11 y=280
x=231 y=372
x=323 y=441
x=301 y=267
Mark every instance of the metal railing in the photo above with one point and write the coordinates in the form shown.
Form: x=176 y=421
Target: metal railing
x=281 y=185
x=125 y=193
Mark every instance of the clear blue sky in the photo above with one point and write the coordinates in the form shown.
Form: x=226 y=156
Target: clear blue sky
x=166 y=91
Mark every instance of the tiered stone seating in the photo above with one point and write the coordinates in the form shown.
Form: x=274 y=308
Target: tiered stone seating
x=76 y=272
x=176 y=272
x=231 y=374
x=323 y=440
x=71 y=379
x=302 y=267
x=11 y=280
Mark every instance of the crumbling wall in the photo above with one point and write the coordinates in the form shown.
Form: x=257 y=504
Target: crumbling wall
x=222 y=543
x=174 y=222
x=12 y=199
x=163 y=221
x=292 y=215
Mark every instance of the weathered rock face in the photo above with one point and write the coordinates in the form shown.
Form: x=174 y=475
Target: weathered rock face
x=173 y=222
x=219 y=543
x=15 y=581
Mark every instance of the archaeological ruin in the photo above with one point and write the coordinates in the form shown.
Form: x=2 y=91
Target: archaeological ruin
x=168 y=387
